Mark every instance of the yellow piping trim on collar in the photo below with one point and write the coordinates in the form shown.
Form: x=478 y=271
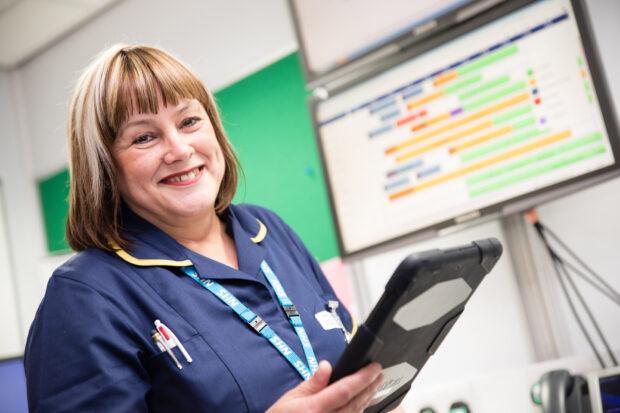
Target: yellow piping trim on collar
x=262 y=232
x=354 y=327
x=147 y=262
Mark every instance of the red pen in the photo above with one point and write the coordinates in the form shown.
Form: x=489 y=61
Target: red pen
x=171 y=339
x=162 y=343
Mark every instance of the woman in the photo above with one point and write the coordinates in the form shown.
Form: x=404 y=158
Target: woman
x=177 y=300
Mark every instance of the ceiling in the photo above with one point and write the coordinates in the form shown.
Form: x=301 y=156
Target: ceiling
x=29 y=26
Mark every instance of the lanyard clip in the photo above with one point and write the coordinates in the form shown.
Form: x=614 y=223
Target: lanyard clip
x=257 y=324
x=290 y=310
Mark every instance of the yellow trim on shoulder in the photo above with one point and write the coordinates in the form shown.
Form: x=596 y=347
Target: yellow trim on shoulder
x=147 y=262
x=353 y=327
x=262 y=232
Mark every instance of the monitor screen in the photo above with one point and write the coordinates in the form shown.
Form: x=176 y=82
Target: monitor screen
x=506 y=111
x=13 y=386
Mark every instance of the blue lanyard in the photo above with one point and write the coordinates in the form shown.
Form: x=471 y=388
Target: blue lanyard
x=261 y=326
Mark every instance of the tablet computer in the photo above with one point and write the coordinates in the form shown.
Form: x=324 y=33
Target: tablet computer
x=422 y=300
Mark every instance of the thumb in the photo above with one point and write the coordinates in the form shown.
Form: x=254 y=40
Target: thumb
x=317 y=382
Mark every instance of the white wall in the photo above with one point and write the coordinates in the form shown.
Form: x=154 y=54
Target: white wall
x=11 y=344
x=23 y=230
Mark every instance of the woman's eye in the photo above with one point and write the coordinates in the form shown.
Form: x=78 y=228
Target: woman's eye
x=143 y=139
x=190 y=122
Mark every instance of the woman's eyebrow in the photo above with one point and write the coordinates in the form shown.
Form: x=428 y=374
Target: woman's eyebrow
x=184 y=107
x=137 y=122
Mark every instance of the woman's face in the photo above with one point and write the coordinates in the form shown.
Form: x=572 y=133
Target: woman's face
x=170 y=164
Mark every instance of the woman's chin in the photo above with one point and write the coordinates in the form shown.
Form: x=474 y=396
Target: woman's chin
x=194 y=210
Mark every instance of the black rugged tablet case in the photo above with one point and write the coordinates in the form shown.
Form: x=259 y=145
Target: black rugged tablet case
x=422 y=301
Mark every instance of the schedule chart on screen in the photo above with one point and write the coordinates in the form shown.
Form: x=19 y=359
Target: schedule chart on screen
x=505 y=110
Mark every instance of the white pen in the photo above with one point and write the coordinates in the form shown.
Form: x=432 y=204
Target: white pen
x=161 y=342
x=170 y=336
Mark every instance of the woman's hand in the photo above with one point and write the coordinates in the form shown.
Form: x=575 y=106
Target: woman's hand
x=349 y=394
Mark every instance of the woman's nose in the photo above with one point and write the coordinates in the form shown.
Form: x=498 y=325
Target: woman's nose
x=178 y=147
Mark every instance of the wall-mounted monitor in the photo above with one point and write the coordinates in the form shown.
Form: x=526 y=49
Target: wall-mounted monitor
x=511 y=112
x=336 y=36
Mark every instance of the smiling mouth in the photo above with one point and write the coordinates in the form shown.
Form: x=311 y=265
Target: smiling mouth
x=184 y=177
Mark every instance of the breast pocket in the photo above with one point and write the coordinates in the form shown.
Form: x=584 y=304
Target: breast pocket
x=205 y=384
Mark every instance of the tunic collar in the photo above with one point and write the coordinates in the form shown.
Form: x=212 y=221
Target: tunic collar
x=153 y=247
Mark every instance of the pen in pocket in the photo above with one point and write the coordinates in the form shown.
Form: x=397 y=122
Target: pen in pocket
x=162 y=343
x=171 y=339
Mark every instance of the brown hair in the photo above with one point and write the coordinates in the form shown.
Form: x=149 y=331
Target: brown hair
x=120 y=80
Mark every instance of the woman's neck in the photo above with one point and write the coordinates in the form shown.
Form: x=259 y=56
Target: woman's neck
x=206 y=236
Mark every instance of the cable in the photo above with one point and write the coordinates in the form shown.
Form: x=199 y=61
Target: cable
x=612 y=297
x=560 y=266
x=579 y=260
x=589 y=313
x=573 y=309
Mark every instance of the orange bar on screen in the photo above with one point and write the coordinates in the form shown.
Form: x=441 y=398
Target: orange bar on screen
x=425 y=99
x=445 y=140
x=481 y=139
x=443 y=78
x=430 y=122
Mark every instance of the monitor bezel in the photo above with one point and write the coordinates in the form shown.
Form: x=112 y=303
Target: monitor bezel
x=365 y=63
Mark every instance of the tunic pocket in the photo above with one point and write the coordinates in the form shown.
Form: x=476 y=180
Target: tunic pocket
x=205 y=384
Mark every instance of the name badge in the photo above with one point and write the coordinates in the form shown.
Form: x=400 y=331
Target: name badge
x=327 y=320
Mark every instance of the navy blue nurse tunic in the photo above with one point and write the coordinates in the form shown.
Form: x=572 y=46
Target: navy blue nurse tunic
x=90 y=348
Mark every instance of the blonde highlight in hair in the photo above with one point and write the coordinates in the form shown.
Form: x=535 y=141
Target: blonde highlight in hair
x=122 y=80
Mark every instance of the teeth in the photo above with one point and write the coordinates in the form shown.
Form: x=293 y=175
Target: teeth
x=184 y=177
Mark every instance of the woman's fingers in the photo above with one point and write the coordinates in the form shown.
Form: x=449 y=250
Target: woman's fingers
x=316 y=383
x=349 y=394
x=350 y=390
x=362 y=400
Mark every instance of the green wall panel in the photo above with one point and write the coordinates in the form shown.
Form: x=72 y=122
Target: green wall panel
x=266 y=119
x=54 y=194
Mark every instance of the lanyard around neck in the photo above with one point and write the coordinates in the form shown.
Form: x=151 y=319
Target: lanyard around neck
x=261 y=326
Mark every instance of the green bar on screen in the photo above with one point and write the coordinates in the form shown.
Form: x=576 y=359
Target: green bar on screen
x=512 y=114
x=494 y=96
x=489 y=85
x=462 y=84
x=502 y=144
x=538 y=171
x=523 y=123
x=535 y=158
x=493 y=57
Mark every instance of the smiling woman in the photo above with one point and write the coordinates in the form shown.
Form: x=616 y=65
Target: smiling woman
x=132 y=84
x=177 y=300
x=170 y=166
